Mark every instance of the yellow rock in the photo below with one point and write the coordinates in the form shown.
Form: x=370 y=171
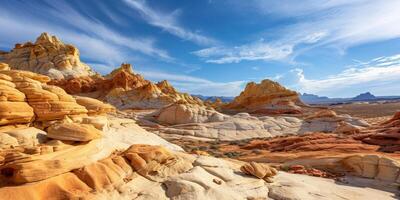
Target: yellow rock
x=261 y=171
x=94 y=106
x=73 y=132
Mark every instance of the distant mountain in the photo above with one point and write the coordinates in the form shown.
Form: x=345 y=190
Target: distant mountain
x=312 y=98
x=364 y=97
x=213 y=98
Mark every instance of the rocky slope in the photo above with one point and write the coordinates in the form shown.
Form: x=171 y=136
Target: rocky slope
x=386 y=135
x=48 y=55
x=182 y=120
x=267 y=97
x=126 y=90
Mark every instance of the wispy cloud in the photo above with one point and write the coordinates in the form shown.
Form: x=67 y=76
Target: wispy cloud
x=95 y=40
x=333 y=24
x=260 y=50
x=380 y=76
x=168 y=22
x=255 y=51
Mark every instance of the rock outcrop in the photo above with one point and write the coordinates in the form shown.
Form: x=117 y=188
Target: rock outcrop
x=27 y=93
x=267 y=97
x=126 y=90
x=184 y=113
x=48 y=56
x=73 y=132
x=198 y=122
x=386 y=135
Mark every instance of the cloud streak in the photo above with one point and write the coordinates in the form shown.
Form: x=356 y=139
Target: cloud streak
x=380 y=76
x=332 y=24
x=95 y=40
x=167 y=22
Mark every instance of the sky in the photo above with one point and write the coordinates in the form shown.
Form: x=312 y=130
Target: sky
x=335 y=48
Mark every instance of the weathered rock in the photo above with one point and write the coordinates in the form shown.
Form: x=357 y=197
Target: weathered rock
x=183 y=113
x=155 y=161
x=15 y=112
x=267 y=97
x=125 y=89
x=261 y=171
x=48 y=56
x=192 y=121
x=73 y=132
x=4 y=66
x=386 y=135
x=94 y=106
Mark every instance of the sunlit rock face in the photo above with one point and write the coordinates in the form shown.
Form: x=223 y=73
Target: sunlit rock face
x=49 y=56
x=267 y=97
x=126 y=90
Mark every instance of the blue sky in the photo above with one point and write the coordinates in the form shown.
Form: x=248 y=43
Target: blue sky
x=336 y=48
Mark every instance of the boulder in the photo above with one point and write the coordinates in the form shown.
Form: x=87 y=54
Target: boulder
x=73 y=132
x=94 y=106
x=183 y=113
x=261 y=171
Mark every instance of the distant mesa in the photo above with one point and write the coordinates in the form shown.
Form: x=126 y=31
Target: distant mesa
x=224 y=99
x=312 y=98
x=364 y=96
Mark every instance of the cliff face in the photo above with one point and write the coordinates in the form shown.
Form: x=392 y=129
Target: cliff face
x=49 y=56
x=266 y=97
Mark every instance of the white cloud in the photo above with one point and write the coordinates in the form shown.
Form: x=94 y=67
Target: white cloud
x=346 y=23
x=96 y=41
x=336 y=24
x=255 y=51
x=380 y=76
x=167 y=22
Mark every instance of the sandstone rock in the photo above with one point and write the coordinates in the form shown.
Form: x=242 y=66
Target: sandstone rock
x=94 y=106
x=386 y=135
x=267 y=97
x=125 y=89
x=48 y=56
x=27 y=136
x=240 y=126
x=32 y=95
x=105 y=173
x=155 y=161
x=4 y=66
x=99 y=122
x=374 y=166
x=15 y=112
x=261 y=171
x=73 y=132
x=183 y=113
x=6 y=141
x=64 y=186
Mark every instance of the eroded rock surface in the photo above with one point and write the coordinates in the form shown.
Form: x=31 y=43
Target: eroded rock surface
x=198 y=122
x=48 y=55
x=125 y=89
x=267 y=97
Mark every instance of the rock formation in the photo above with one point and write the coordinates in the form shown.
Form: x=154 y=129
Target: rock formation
x=48 y=56
x=267 y=97
x=198 y=122
x=184 y=113
x=386 y=135
x=125 y=89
